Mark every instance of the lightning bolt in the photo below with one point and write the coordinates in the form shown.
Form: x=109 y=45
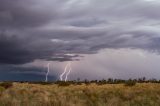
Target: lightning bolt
x=68 y=74
x=61 y=76
x=47 y=72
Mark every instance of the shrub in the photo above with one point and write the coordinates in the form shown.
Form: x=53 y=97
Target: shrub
x=6 y=85
x=130 y=83
x=87 y=82
x=1 y=90
x=43 y=83
x=62 y=83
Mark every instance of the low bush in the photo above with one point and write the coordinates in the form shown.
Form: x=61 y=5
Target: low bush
x=1 y=89
x=130 y=83
x=62 y=83
x=43 y=83
x=6 y=85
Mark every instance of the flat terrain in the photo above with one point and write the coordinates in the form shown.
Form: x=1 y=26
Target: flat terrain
x=24 y=94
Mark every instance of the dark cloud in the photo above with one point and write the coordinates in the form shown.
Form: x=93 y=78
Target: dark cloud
x=24 y=77
x=15 y=50
x=21 y=73
x=22 y=14
x=43 y=29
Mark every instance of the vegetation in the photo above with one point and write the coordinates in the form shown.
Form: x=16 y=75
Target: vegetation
x=130 y=83
x=6 y=84
x=109 y=92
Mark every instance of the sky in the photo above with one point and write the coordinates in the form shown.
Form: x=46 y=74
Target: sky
x=101 y=38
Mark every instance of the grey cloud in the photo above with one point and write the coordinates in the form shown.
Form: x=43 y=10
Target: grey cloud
x=22 y=14
x=84 y=27
x=15 y=50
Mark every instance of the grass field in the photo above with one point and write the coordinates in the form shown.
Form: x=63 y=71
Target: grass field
x=24 y=94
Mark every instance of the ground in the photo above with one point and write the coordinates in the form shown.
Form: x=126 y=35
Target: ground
x=25 y=94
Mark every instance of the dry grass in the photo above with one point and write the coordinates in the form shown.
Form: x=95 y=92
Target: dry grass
x=23 y=94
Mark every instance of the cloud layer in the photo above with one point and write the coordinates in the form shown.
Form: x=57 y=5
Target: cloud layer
x=62 y=30
x=41 y=29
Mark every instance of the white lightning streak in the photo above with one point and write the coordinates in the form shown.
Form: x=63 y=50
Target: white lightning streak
x=61 y=76
x=47 y=72
x=68 y=74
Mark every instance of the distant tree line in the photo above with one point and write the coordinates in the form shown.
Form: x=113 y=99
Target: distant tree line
x=129 y=82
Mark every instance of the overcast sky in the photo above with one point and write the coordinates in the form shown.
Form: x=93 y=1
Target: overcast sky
x=101 y=38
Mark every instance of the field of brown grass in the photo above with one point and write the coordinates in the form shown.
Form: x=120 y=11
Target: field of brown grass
x=24 y=94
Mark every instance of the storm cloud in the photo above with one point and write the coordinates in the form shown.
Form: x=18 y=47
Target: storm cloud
x=64 y=30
